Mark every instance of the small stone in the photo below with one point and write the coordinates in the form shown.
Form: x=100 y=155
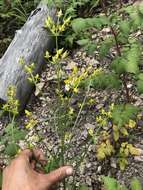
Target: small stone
x=138 y=158
x=113 y=163
x=99 y=169
x=99 y=106
x=2 y=147
x=88 y=165
x=88 y=180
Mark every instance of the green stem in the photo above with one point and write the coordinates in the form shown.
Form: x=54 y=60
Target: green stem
x=62 y=157
x=12 y=129
x=118 y=51
x=81 y=108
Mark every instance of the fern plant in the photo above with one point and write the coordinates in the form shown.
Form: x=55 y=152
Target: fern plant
x=123 y=26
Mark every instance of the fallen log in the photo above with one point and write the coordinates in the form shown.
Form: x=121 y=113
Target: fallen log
x=29 y=43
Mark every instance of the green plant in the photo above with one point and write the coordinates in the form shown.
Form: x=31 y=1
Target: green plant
x=66 y=121
x=116 y=33
x=113 y=184
x=122 y=24
x=13 y=14
x=11 y=133
x=116 y=125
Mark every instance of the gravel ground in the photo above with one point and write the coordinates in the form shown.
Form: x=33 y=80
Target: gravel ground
x=90 y=170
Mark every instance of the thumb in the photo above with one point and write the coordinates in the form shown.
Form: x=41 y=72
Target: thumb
x=57 y=175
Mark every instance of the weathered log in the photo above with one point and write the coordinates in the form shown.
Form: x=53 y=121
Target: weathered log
x=29 y=43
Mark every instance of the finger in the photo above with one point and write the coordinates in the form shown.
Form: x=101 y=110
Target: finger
x=35 y=154
x=33 y=164
x=57 y=175
x=39 y=156
x=26 y=153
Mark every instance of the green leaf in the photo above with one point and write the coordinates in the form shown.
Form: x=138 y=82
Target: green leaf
x=140 y=86
x=123 y=162
x=110 y=183
x=82 y=24
x=141 y=8
x=135 y=184
x=83 y=187
x=105 y=80
x=123 y=112
x=105 y=46
x=118 y=65
x=9 y=127
x=79 y=25
x=133 y=58
x=125 y=27
x=52 y=164
x=83 y=42
x=11 y=149
x=130 y=60
x=19 y=134
x=140 y=76
x=90 y=48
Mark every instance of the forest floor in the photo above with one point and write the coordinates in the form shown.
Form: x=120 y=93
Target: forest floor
x=44 y=137
x=43 y=104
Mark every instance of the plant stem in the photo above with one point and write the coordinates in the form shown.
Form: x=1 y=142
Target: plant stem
x=111 y=28
x=83 y=103
x=118 y=49
x=120 y=2
x=126 y=88
x=12 y=128
x=62 y=157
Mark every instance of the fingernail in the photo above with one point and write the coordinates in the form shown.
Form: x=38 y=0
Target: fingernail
x=69 y=171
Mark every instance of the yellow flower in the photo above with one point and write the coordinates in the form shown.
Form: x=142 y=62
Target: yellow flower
x=27 y=69
x=49 y=22
x=132 y=123
x=47 y=56
x=111 y=106
x=21 y=61
x=59 y=14
x=71 y=111
x=67 y=21
x=65 y=54
x=28 y=113
x=75 y=90
x=103 y=122
x=103 y=112
x=59 y=51
x=31 y=124
x=68 y=136
x=91 y=132
x=98 y=118
x=61 y=28
x=109 y=114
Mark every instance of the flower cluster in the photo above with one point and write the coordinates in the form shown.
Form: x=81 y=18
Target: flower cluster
x=76 y=77
x=125 y=150
x=57 y=27
x=12 y=103
x=104 y=116
x=31 y=77
x=32 y=121
x=59 y=55
x=29 y=69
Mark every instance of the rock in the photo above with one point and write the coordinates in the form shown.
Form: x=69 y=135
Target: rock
x=29 y=46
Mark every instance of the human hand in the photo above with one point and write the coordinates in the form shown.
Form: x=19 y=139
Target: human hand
x=21 y=173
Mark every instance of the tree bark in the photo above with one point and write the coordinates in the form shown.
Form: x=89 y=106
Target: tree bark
x=29 y=43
